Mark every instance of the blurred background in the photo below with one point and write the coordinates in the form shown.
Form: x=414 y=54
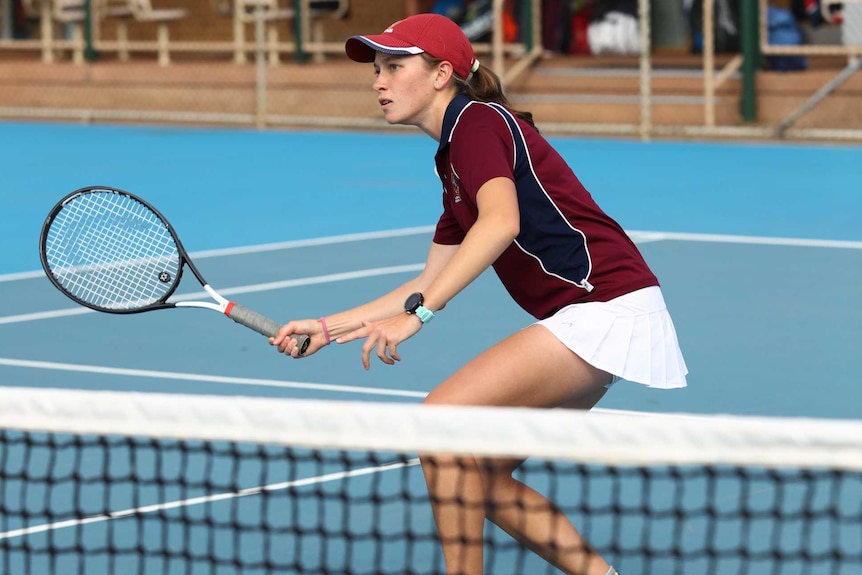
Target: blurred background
x=768 y=69
x=264 y=145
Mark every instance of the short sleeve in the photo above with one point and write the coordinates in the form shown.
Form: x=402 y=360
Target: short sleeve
x=482 y=148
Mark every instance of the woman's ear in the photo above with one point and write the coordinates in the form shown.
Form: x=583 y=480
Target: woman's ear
x=444 y=73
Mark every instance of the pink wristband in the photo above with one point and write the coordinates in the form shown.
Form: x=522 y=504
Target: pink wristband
x=322 y=322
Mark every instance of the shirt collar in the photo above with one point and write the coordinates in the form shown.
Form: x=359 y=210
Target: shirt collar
x=453 y=110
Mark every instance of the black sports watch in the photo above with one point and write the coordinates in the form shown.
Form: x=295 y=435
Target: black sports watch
x=413 y=306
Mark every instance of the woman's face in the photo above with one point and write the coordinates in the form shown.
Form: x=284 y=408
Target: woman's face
x=405 y=88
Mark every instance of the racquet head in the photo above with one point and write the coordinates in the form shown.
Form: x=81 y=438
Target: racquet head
x=110 y=251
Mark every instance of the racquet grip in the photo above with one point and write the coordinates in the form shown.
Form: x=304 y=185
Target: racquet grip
x=263 y=325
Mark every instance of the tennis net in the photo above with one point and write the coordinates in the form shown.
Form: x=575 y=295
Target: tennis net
x=131 y=483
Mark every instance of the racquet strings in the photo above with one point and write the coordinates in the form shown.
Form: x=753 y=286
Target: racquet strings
x=112 y=252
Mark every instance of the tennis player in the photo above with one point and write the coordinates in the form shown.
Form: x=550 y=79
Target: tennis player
x=509 y=201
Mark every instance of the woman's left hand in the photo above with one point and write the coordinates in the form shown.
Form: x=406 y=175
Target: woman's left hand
x=384 y=335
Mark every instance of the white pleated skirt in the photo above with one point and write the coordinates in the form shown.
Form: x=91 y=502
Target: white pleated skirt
x=632 y=337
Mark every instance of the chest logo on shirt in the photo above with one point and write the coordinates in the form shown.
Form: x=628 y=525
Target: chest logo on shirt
x=456 y=185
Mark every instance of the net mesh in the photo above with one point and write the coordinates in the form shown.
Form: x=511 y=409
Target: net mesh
x=113 y=482
x=111 y=251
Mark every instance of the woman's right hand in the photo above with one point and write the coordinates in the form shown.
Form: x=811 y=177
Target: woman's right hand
x=288 y=345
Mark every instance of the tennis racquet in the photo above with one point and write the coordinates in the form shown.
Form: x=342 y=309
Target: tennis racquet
x=111 y=251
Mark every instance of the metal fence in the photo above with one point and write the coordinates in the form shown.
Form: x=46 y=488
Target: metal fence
x=272 y=63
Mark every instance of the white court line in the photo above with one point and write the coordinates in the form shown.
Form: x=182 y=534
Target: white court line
x=751 y=240
x=173 y=375
x=21 y=276
x=205 y=499
x=260 y=248
x=346 y=238
x=639 y=236
x=328 y=278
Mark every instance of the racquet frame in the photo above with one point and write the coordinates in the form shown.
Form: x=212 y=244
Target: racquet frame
x=236 y=312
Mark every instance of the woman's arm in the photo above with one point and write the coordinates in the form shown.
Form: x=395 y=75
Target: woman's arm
x=448 y=270
x=497 y=226
x=393 y=302
x=495 y=229
x=345 y=322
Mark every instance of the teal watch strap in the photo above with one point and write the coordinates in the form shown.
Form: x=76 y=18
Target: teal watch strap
x=424 y=314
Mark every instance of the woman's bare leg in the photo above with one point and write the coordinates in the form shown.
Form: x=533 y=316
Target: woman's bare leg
x=530 y=368
x=536 y=522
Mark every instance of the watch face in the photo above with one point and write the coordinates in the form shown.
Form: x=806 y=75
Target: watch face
x=414 y=300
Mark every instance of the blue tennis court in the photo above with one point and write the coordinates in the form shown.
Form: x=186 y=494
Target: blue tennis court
x=758 y=248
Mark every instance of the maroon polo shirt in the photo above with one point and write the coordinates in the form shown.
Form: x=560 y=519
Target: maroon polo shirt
x=568 y=250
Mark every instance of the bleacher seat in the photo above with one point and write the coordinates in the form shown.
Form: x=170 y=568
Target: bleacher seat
x=65 y=13
x=142 y=11
x=272 y=12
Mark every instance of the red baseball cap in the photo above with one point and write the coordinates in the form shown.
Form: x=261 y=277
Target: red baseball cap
x=434 y=34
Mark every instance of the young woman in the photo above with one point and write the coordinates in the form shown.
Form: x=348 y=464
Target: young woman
x=510 y=201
